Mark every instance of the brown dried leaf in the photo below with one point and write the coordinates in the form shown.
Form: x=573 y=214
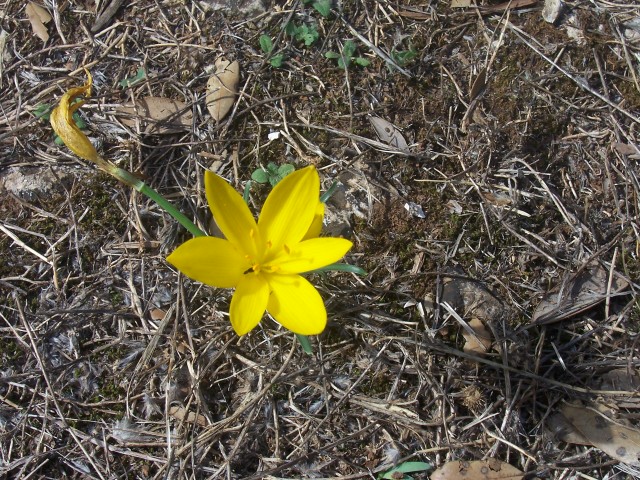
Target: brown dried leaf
x=181 y=413
x=490 y=469
x=222 y=88
x=460 y=3
x=478 y=343
x=38 y=17
x=617 y=441
x=388 y=133
x=621 y=379
x=578 y=293
x=157 y=115
x=564 y=431
x=479 y=84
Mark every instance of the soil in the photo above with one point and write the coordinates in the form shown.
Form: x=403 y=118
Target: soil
x=521 y=174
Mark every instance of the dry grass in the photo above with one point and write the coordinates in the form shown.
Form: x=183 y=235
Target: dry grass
x=114 y=366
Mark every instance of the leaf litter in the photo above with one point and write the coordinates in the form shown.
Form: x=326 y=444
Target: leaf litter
x=519 y=193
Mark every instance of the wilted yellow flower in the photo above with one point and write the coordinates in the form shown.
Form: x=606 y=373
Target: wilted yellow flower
x=63 y=124
x=263 y=260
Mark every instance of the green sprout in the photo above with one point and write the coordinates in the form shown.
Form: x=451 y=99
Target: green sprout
x=266 y=44
x=272 y=174
x=134 y=79
x=323 y=7
x=398 y=473
x=347 y=55
x=404 y=57
x=303 y=32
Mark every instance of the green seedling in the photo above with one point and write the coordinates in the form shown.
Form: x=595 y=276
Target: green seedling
x=272 y=174
x=347 y=55
x=398 y=473
x=323 y=7
x=134 y=79
x=306 y=33
x=266 y=45
x=404 y=57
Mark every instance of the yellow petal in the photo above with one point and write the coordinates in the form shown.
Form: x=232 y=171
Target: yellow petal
x=289 y=209
x=316 y=224
x=296 y=305
x=63 y=124
x=210 y=260
x=233 y=216
x=248 y=303
x=311 y=254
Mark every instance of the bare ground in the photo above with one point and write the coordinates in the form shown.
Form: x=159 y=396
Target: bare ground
x=523 y=156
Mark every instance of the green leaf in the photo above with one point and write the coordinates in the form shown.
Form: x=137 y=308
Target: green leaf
x=245 y=193
x=290 y=28
x=327 y=195
x=137 y=78
x=342 y=64
x=43 y=111
x=406 y=467
x=79 y=121
x=260 y=176
x=349 y=49
x=276 y=60
x=266 y=44
x=363 y=62
x=331 y=55
x=341 y=267
x=285 y=169
x=272 y=168
x=323 y=7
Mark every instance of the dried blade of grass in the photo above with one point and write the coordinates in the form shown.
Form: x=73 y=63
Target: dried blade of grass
x=52 y=392
x=373 y=47
x=581 y=83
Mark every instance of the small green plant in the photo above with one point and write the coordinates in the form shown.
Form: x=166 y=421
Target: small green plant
x=302 y=32
x=134 y=79
x=404 y=57
x=272 y=174
x=323 y=7
x=347 y=55
x=398 y=473
x=266 y=44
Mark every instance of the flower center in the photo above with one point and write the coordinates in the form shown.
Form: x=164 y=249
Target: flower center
x=270 y=260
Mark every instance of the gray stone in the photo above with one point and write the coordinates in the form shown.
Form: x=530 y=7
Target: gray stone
x=241 y=8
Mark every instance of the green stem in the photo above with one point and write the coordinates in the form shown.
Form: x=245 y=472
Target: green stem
x=145 y=189
x=305 y=343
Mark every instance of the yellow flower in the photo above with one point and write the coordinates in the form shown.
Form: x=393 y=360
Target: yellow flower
x=63 y=124
x=263 y=260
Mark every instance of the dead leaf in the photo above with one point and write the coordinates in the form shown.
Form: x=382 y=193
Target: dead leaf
x=617 y=441
x=388 y=133
x=564 y=431
x=479 y=341
x=38 y=17
x=490 y=469
x=157 y=115
x=460 y=3
x=621 y=379
x=511 y=4
x=578 y=293
x=222 y=88
x=479 y=84
x=415 y=14
x=181 y=413
x=471 y=298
